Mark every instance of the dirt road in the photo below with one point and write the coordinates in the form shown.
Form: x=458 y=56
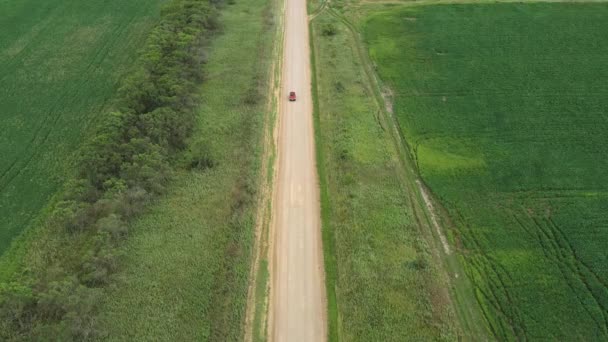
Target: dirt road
x=297 y=311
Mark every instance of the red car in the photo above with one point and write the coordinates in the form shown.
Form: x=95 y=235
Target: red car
x=292 y=96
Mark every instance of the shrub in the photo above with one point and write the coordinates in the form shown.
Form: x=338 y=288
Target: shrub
x=329 y=30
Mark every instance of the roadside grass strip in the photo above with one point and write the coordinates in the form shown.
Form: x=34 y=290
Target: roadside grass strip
x=387 y=284
x=188 y=263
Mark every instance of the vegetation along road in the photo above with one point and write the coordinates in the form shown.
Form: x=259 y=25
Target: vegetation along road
x=240 y=170
x=297 y=293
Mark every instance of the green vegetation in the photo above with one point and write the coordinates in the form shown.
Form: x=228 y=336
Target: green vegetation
x=188 y=260
x=60 y=63
x=505 y=109
x=384 y=282
x=129 y=159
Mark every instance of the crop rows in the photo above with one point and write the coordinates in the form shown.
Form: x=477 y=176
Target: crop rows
x=506 y=113
x=59 y=64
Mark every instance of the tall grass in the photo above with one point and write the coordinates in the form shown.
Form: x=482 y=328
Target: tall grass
x=187 y=267
x=385 y=281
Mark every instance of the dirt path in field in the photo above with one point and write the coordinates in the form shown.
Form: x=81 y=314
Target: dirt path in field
x=297 y=308
x=431 y=210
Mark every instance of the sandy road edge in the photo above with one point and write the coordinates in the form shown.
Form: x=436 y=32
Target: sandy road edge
x=264 y=219
x=276 y=91
x=271 y=252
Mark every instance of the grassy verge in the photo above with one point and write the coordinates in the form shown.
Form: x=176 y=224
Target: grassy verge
x=386 y=281
x=506 y=127
x=187 y=267
x=259 y=291
x=261 y=300
x=431 y=220
x=326 y=229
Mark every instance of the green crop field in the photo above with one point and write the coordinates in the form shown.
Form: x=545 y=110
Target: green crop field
x=505 y=108
x=60 y=62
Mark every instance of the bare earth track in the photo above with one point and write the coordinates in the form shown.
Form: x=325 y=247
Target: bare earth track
x=297 y=310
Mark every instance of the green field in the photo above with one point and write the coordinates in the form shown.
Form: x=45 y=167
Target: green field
x=505 y=108
x=151 y=236
x=60 y=62
x=187 y=263
x=384 y=280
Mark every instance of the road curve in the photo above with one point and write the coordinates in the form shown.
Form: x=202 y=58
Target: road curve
x=298 y=310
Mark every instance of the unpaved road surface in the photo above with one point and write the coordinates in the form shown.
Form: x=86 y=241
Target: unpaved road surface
x=297 y=311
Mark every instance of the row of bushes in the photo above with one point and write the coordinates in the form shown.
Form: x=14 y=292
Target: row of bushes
x=125 y=164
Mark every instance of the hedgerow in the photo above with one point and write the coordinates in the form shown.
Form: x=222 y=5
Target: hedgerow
x=121 y=168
